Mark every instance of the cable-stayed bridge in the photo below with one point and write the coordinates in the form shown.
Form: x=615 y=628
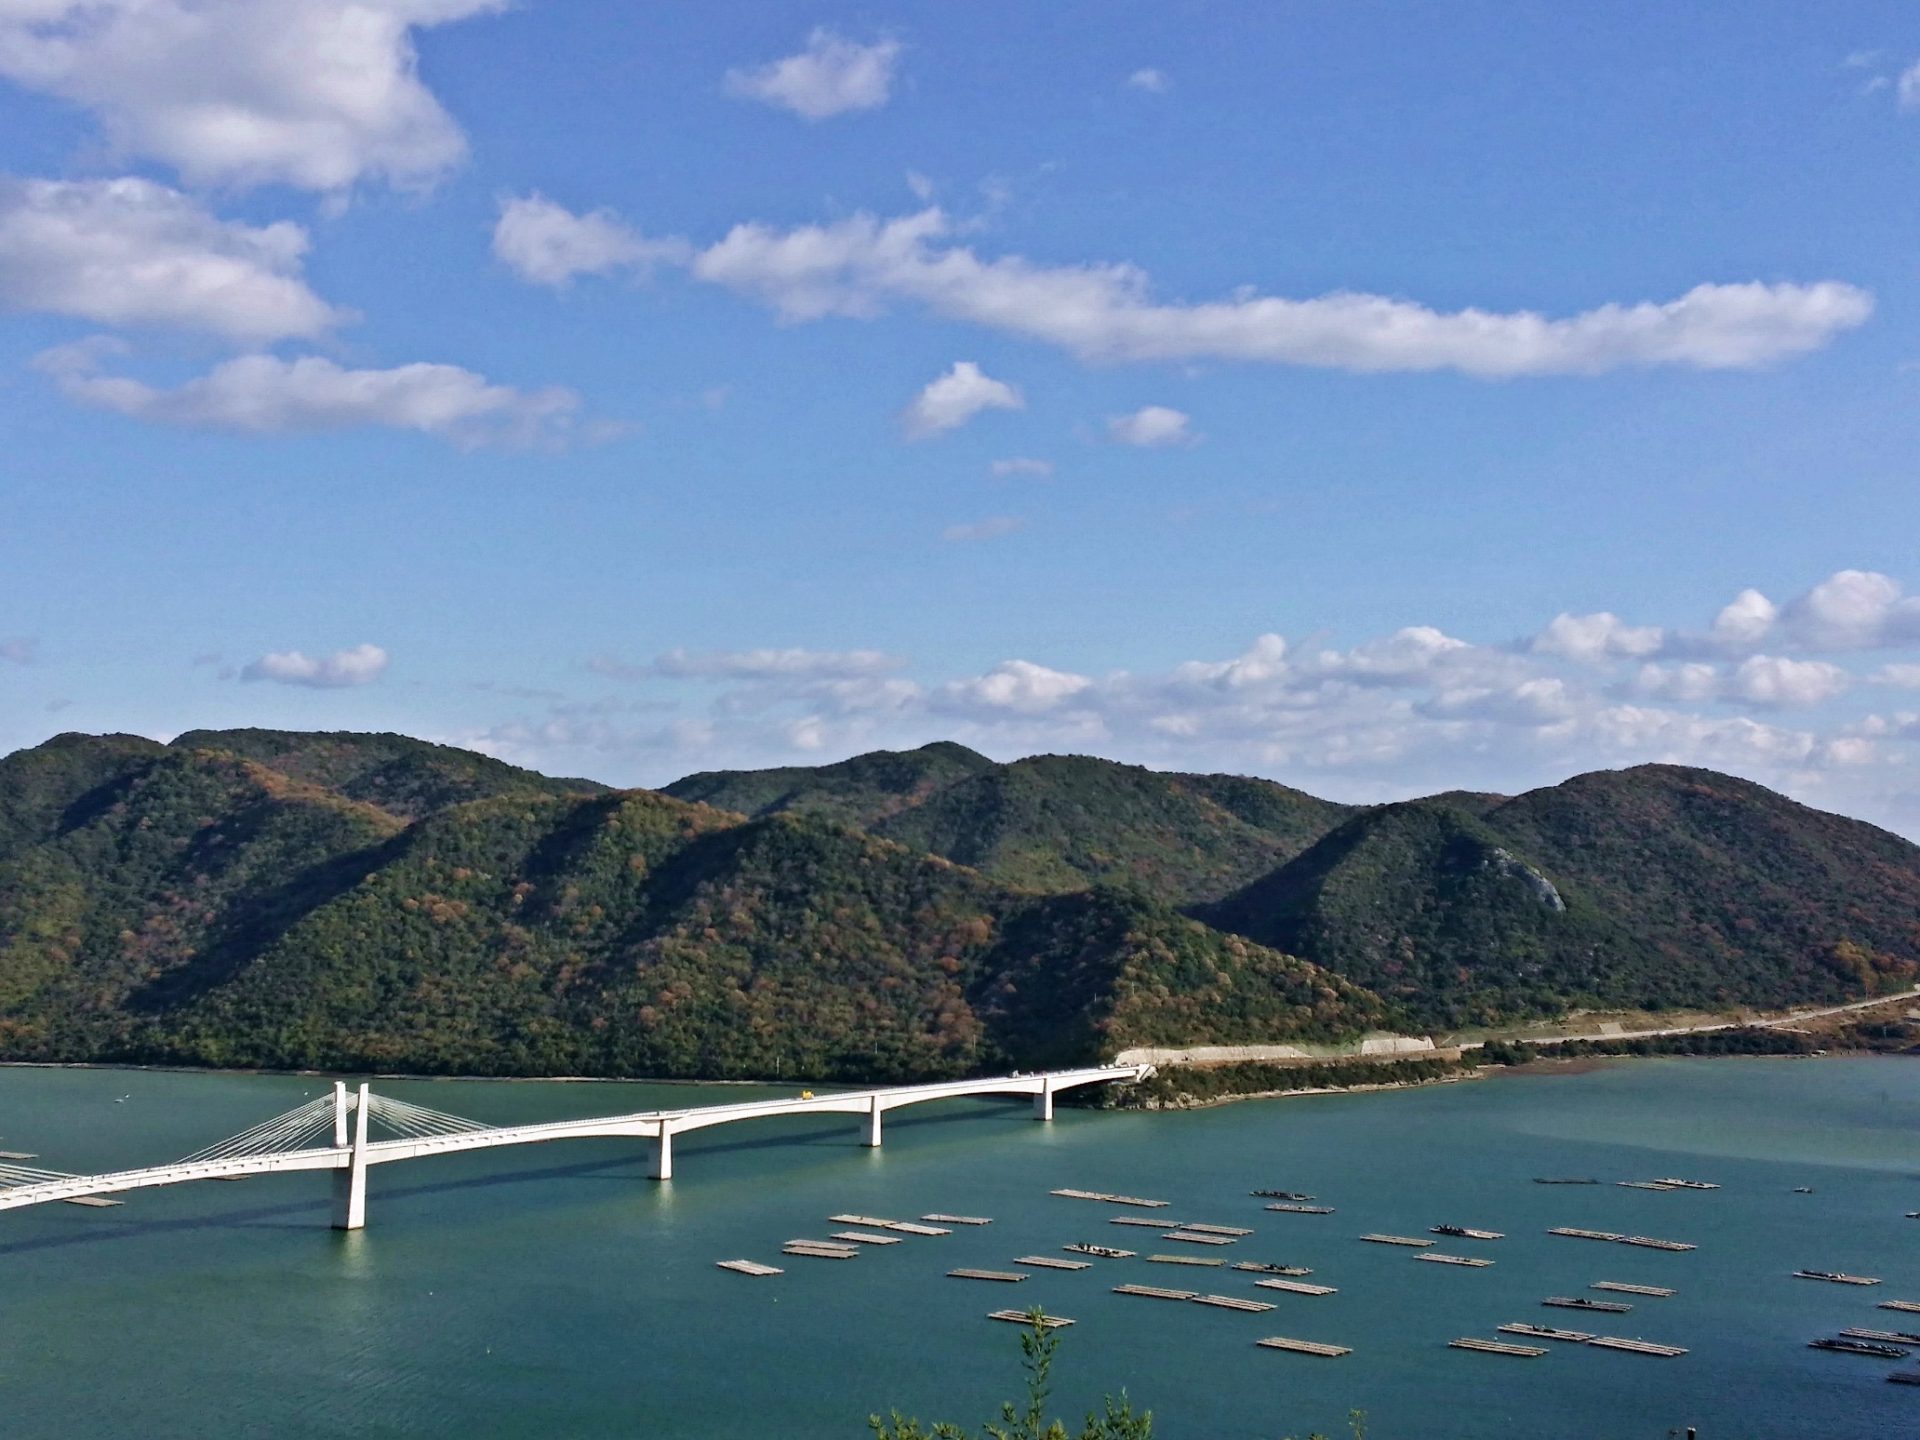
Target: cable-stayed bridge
x=353 y=1129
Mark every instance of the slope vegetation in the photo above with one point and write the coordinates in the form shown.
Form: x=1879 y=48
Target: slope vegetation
x=1652 y=887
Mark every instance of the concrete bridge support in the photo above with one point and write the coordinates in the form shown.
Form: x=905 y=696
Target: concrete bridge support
x=873 y=1123
x=350 y=1184
x=663 y=1155
x=1043 y=1101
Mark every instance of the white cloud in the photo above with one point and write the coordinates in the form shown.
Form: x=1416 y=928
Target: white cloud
x=1152 y=81
x=1407 y=712
x=1020 y=465
x=1690 y=682
x=955 y=398
x=1745 y=620
x=1909 y=90
x=830 y=77
x=992 y=528
x=1593 y=638
x=770 y=663
x=1772 y=680
x=1151 y=426
x=548 y=244
x=312 y=93
x=1537 y=702
x=263 y=394
x=1107 y=312
x=130 y=252
x=1853 y=610
x=1018 y=685
x=362 y=665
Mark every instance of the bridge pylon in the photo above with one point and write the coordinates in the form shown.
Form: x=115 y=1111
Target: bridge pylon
x=1043 y=1099
x=350 y=1182
x=662 y=1168
x=874 y=1113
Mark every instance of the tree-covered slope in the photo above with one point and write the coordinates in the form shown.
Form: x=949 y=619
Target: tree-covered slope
x=161 y=872
x=406 y=777
x=1052 y=823
x=1657 y=887
x=859 y=791
x=193 y=905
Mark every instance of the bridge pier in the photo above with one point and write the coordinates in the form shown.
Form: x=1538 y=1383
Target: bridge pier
x=663 y=1154
x=350 y=1184
x=1043 y=1099
x=873 y=1123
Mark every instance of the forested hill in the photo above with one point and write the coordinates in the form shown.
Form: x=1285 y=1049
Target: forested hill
x=1651 y=887
x=1056 y=823
x=194 y=904
x=282 y=899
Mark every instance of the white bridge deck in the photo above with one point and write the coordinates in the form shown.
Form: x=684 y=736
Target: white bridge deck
x=285 y=1144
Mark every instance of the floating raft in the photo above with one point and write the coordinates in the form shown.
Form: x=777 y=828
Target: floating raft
x=1281 y=1194
x=1407 y=1240
x=1102 y=1195
x=1835 y=1277
x=1674 y=1184
x=1861 y=1347
x=1234 y=1230
x=1154 y=1292
x=1289 y=1207
x=1544 y=1332
x=1891 y=1337
x=1570 y=1302
x=819 y=1250
x=93 y=1202
x=1645 y=1242
x=1022 y=1317
x=1007 y=1277
x=1473 y=1261
x=1497 y=1347
x=903 y=1227
x=1912 y=1307
x=1261 y=1267
x=1105 y=1252
x=1645 y=1185
x=1185 y=1260
x=1192 y=1237
x=1303 y=1347
x=1295 y=1287
x=961 y=1220
x=1464 y=1232
x=1634 y=1347
x=1905 y=1377
x=1232 y=1302
x=749 y=1267
x=1622 y=1288
x=1561 y=1180
x=17 y=1155
x=1047 y=1262
x=1138 y=1220
x=864 y=1237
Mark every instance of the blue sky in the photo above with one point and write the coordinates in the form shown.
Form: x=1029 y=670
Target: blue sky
x=1381 y=398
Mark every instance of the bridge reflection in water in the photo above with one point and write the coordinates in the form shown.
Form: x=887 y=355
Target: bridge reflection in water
x=353 y=1129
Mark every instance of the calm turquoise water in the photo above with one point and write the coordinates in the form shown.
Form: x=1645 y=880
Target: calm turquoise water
x=556 y=1292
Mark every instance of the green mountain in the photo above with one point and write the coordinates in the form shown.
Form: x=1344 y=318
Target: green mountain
x=1052 y=823
x=278 y=899
x=191 y=904
x=403 y=776
x=1653 y=887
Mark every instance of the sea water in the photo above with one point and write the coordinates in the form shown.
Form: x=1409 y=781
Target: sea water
x=556 y=1291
